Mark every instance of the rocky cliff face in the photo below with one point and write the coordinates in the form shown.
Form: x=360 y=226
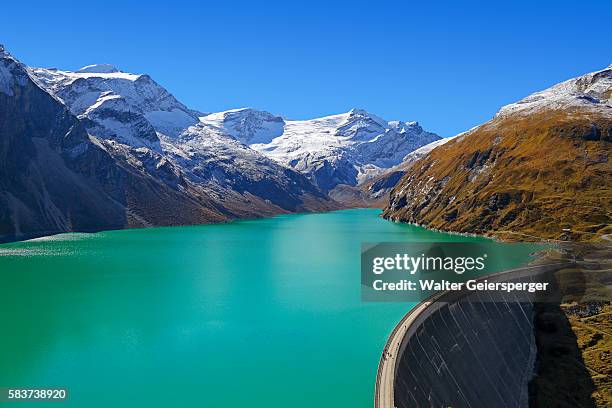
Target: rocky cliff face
x=540 y=167
x=101 y=149
x=376 y=191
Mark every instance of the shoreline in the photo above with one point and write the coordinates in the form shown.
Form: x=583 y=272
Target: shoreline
x=47 y=234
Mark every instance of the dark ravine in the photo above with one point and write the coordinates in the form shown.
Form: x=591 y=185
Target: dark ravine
x=561 y=377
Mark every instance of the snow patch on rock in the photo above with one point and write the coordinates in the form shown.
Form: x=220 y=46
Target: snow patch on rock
x=247 y=125
x=590 y=91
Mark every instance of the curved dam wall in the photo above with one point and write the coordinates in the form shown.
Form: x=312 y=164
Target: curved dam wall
x=464 y=350
x=468 y=354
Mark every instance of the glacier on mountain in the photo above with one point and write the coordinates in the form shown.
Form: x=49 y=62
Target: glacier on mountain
x=347 y=148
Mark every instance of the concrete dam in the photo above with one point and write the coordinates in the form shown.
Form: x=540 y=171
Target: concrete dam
x=463 y=349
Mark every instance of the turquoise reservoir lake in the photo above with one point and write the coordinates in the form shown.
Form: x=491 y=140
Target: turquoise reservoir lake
x=261 y=313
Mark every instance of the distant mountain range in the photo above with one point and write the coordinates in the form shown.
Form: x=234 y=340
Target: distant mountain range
x=539 y=168
x=99 y=148
x=345 y=149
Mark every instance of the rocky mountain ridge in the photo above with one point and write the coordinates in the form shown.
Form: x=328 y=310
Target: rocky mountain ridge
x=99 y=148
x=344 y=149
x=539 y=168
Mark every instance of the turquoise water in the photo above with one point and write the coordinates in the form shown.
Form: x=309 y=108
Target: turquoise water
x=262 y=313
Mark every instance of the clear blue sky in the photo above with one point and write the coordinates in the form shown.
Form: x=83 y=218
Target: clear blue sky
x=448 y=65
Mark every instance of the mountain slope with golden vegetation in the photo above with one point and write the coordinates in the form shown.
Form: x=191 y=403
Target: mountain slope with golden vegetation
x=539 y=168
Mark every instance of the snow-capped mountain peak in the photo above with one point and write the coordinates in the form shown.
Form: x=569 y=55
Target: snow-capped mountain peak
x=590 y=91
x=130 y=108
x=134 y=110
x=12 y=72
x=98 y=69
x=347 y=148
x=362 y=114
x=403 y=127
